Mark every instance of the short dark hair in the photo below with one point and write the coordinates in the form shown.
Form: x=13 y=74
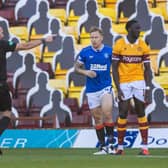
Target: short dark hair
x=96 y=29
x=130 y=23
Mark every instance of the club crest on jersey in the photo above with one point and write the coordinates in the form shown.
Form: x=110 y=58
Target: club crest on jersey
x=139 y=49
x=106 y=55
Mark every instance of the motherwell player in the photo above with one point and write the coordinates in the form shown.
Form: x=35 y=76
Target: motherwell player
x=131 y=74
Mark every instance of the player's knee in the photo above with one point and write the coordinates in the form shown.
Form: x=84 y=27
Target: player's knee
x=98 y=120
x=108 y=118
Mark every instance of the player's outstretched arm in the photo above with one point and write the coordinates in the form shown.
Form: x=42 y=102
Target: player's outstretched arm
x=34 y=43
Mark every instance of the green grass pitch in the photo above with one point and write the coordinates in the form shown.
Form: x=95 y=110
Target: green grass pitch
x=80 y=158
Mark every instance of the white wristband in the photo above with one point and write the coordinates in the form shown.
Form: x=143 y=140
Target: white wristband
x=147 y=88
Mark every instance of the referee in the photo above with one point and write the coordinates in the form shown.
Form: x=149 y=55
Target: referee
x=5 y=99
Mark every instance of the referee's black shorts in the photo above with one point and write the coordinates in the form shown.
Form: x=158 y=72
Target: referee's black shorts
x=5 y=98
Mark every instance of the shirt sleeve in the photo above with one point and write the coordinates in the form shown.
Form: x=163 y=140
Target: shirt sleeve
x=81 y=57
x=146 y=55
x=7 y=45
x=116 y=51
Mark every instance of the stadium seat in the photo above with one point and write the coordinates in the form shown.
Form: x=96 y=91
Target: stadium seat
x=5 y=25
x=58 y=84
x=60 y=3
x=8 y=13
x=86 y=21
x=72 y=103
x=110 y=3
x=38 y=24
x=64 y=59
x=110 y=12
x=24 y=9
x=157 y=37
x=109 y=36
x=158 y=109
x=124 y=9
x=14 y=60
x=159 y=3
x=74 y=9
x=74 y=83
x=49 y=49
x=19 y=31
x=57 y=107
x=58 y=13
x=46 y=66
x=81 y=121
x=25 y=77
x=162 y=80
x=142 y=11
x=39 y=95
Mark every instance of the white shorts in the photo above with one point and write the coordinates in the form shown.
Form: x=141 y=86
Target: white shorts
x=133 y=89
x=94 y=99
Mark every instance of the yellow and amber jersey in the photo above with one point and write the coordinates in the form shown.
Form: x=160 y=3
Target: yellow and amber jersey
x=131 y=58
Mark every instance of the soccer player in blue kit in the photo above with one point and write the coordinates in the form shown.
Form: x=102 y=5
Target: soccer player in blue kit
x=96 y=59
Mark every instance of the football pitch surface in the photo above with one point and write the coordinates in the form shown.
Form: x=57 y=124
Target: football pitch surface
x=81 y=158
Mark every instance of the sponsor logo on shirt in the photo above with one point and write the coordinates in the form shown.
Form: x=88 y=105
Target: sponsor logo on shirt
x=131 y=59
x=98 y=67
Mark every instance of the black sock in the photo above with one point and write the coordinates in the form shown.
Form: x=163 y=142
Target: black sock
x=101 y=136
x=110 y=132
x=4 y=122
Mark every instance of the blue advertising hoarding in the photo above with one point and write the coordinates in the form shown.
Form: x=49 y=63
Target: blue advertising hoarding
x=76 y=138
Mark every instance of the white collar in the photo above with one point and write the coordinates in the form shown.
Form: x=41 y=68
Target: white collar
x=98 y=49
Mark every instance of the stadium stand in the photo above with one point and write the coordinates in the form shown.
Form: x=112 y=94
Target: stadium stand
x=142 y=11
x=49 y=49
x=16 y=57
x=109 y=36
x=162 y=61
x=74 y=9
x=124 y=9
x=26 y=75
x=23 y=12
x=5 y=25
x=157 y=37
x=74 y=83
x=56 y=107
x=58 y=13
x=158 y=109
x=86 y=21
x=39 y=94
x=38 y=24
x=16 y=24
x=110 y=3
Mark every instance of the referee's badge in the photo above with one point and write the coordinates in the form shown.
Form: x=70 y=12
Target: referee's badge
x=10 y=43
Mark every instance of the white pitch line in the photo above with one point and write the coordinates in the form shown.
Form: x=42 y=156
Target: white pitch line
x=153 y=156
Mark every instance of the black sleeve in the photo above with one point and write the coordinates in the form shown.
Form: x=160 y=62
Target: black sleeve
x=7 y=45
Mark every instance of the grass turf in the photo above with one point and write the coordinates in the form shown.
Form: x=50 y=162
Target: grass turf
x=80 y=158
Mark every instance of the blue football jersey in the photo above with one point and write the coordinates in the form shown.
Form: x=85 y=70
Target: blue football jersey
x=100 y=62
